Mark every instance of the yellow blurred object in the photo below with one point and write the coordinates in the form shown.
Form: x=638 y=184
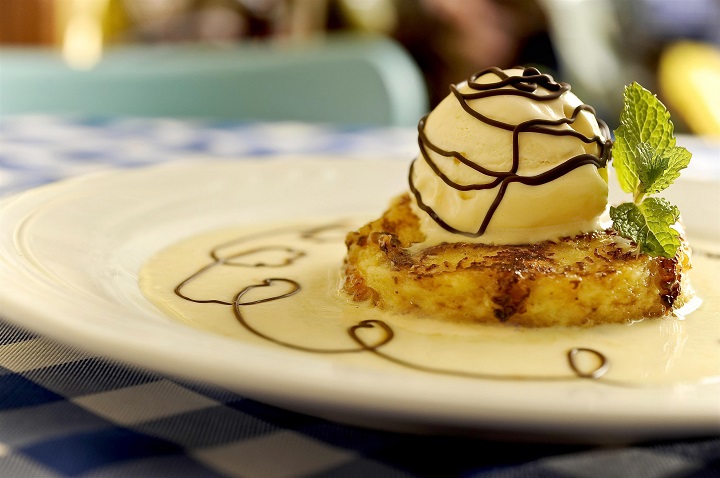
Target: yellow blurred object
x=84 y=27
x=115 y=21
x=689 y=78
x=82 y=42
x=370 y=15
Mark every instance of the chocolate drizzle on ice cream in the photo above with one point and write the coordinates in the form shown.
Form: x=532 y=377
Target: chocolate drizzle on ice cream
x=470 y=174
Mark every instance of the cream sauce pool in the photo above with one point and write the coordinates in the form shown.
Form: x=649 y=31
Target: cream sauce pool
x=278 y=285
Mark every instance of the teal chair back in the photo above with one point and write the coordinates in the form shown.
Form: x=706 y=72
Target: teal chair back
x=350 y=80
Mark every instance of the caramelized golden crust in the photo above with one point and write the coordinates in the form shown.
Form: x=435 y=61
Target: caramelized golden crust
x=585 y=280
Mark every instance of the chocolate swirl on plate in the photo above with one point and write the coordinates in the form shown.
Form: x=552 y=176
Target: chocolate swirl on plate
x=526 y=85
x=242 y=253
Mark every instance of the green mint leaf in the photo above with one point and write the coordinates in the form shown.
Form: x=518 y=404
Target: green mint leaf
x=647 y=161
x=624 y=163
x=644 y=119
x=663 y=170
x=649 y=225
x=645 y=148
x=628 y=221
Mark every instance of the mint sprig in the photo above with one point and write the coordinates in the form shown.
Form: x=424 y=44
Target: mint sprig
x=648 y=225
x=647 y=161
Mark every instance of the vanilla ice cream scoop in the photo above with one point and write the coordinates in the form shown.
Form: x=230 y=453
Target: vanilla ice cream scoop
x=510 y=157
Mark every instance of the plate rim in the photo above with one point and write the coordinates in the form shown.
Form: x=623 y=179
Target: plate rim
x=352 y=399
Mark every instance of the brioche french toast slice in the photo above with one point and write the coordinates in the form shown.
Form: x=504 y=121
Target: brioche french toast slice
x=590 y=279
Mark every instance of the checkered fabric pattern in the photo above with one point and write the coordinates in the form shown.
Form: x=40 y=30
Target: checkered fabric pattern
x=36 y=149
x=66 y=413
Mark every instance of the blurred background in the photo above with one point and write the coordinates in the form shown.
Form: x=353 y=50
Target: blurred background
x=58 y=54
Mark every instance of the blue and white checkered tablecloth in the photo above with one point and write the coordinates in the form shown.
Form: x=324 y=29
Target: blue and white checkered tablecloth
x=64 y=412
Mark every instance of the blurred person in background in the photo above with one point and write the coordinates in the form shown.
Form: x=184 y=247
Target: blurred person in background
x=451 y=39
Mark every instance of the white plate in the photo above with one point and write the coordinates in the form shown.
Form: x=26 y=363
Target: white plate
x=69 y=260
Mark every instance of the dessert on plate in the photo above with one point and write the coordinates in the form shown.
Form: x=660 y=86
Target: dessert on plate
x=505 y=220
